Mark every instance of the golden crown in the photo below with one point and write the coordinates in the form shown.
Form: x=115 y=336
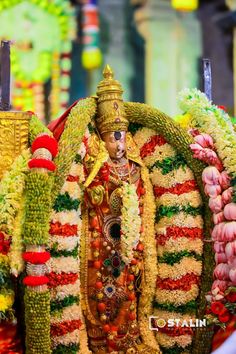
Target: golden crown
x=111 y=113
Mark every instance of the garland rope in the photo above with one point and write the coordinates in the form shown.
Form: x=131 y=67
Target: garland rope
x=179 y=138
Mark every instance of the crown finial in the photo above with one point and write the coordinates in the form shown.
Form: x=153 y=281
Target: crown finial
x=111 y=112
x=107 y=72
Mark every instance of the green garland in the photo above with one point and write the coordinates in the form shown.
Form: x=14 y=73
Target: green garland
x=58 y=305
x=36 y=127
x=79 y=118
x=169 y=164
x=38 y=206
x=65 y=202
x=189 y=307
x=63 y=253
x=37 y=317
x=169 y=211
x=176 y=350
x=172 y=257
x=64 y=349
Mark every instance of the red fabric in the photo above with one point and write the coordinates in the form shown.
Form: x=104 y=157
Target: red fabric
x=57 y=126
x=222 y=334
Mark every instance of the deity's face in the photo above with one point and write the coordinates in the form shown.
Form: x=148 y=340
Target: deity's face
x=115 y=144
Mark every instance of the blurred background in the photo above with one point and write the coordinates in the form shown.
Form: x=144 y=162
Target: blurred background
x=155 y=47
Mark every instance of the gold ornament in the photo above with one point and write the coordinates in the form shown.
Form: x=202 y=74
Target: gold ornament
x=14 y=132
x=94 y=145
x=96 y=194
x=132 y=150
x=116 y=201
x=110 y=110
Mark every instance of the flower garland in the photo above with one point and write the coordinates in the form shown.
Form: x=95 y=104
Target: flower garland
x=39 y=184
x=130 y=222
x=67 y=323
x=71 y=139
x=179 y=268
x=221 y=299
x=150 y=266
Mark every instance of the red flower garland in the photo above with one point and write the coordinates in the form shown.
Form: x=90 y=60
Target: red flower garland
x=36 y=257
x=47 y=142
x=61 y=279
x=42 y=163
x=218 y=308
x=72 y=178
x=149 y=147
x=63 y=230
x=176 y=331
x=179 y=188
x=31 y=280
x=4 y=244
x=184 y=283
x=177 y=232
x=59 y=329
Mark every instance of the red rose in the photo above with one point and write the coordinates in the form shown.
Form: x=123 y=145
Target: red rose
x=231 y=297
x=218 y=308
x=224 y=317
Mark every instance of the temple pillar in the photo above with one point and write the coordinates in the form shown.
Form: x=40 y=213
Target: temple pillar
x=115 y=44
x=173 y=49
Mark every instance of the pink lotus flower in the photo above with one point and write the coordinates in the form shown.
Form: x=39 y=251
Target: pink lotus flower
x=216 y=204
x=212 y=159
x=220 y=258
x=225 y=180
x=220 y=284
x=217 y=232
x=219 y=217
x=212 y=190
x=229 y=231
x=205 y=140
x=230 y=249
x=221 y=271
x=230 y=211
x=219 y=247
x=227 y=195
x=232 y=275
x=211 y=175
x=232 y=262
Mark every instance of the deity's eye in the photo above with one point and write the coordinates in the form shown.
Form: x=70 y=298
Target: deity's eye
x=117 y=135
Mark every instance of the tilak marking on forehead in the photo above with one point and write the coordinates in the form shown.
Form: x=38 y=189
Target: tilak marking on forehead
x=117 y=135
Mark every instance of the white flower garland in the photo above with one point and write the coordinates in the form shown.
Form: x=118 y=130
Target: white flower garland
x=130 y=222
